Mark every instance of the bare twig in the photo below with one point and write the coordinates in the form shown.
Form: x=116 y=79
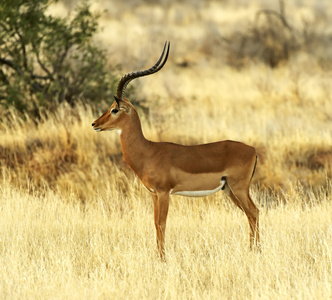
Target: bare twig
x=280 y=15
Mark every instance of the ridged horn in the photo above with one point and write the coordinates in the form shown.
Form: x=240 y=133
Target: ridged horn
x=130 y=76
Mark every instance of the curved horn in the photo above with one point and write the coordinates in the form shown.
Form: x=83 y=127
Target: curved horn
x=130 y=76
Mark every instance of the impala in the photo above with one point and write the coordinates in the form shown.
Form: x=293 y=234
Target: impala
x=167 y=169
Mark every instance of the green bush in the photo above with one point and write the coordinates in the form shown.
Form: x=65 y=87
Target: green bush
x=46 y=60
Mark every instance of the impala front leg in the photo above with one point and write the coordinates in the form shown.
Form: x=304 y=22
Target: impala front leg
x=161 y=203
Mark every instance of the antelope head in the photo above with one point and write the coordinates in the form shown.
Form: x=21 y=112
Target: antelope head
x=121 y=110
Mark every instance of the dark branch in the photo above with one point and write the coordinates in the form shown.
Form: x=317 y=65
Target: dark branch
x=33 y=76
x=10 y=64
x=50 y=75
x=24 y=53
x=58 y=66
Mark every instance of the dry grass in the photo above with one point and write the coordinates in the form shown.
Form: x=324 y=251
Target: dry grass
x=76 y=223
x=52 y=249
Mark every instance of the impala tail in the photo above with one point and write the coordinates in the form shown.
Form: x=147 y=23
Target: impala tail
x=253 y=172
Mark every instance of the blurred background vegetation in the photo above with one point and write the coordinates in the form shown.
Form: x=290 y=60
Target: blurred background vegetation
x=46 y=59
x=254 y=71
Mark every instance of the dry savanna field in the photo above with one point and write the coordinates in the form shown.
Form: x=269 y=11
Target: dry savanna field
x=75 y=223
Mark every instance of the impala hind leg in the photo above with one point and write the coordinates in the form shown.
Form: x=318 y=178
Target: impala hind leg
x=161 y=204
x=242 y=199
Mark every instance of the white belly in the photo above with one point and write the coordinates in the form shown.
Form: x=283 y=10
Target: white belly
x=200 y=193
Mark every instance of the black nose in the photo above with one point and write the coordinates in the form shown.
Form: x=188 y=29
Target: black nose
x=93 y=124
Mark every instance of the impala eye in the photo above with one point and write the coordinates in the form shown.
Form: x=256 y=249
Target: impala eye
x=114 y=111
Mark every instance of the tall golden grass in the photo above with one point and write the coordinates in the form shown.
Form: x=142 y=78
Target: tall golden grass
x=53 y=249
x=76 y=223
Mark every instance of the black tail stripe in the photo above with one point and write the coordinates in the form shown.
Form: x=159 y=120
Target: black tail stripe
x=253 y=172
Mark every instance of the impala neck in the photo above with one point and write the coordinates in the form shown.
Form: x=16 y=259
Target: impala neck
x=133 y=143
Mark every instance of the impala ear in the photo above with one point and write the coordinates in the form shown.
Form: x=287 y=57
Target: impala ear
x=125 y=107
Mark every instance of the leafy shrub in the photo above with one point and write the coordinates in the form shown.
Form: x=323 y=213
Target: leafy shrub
x=46 y=60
